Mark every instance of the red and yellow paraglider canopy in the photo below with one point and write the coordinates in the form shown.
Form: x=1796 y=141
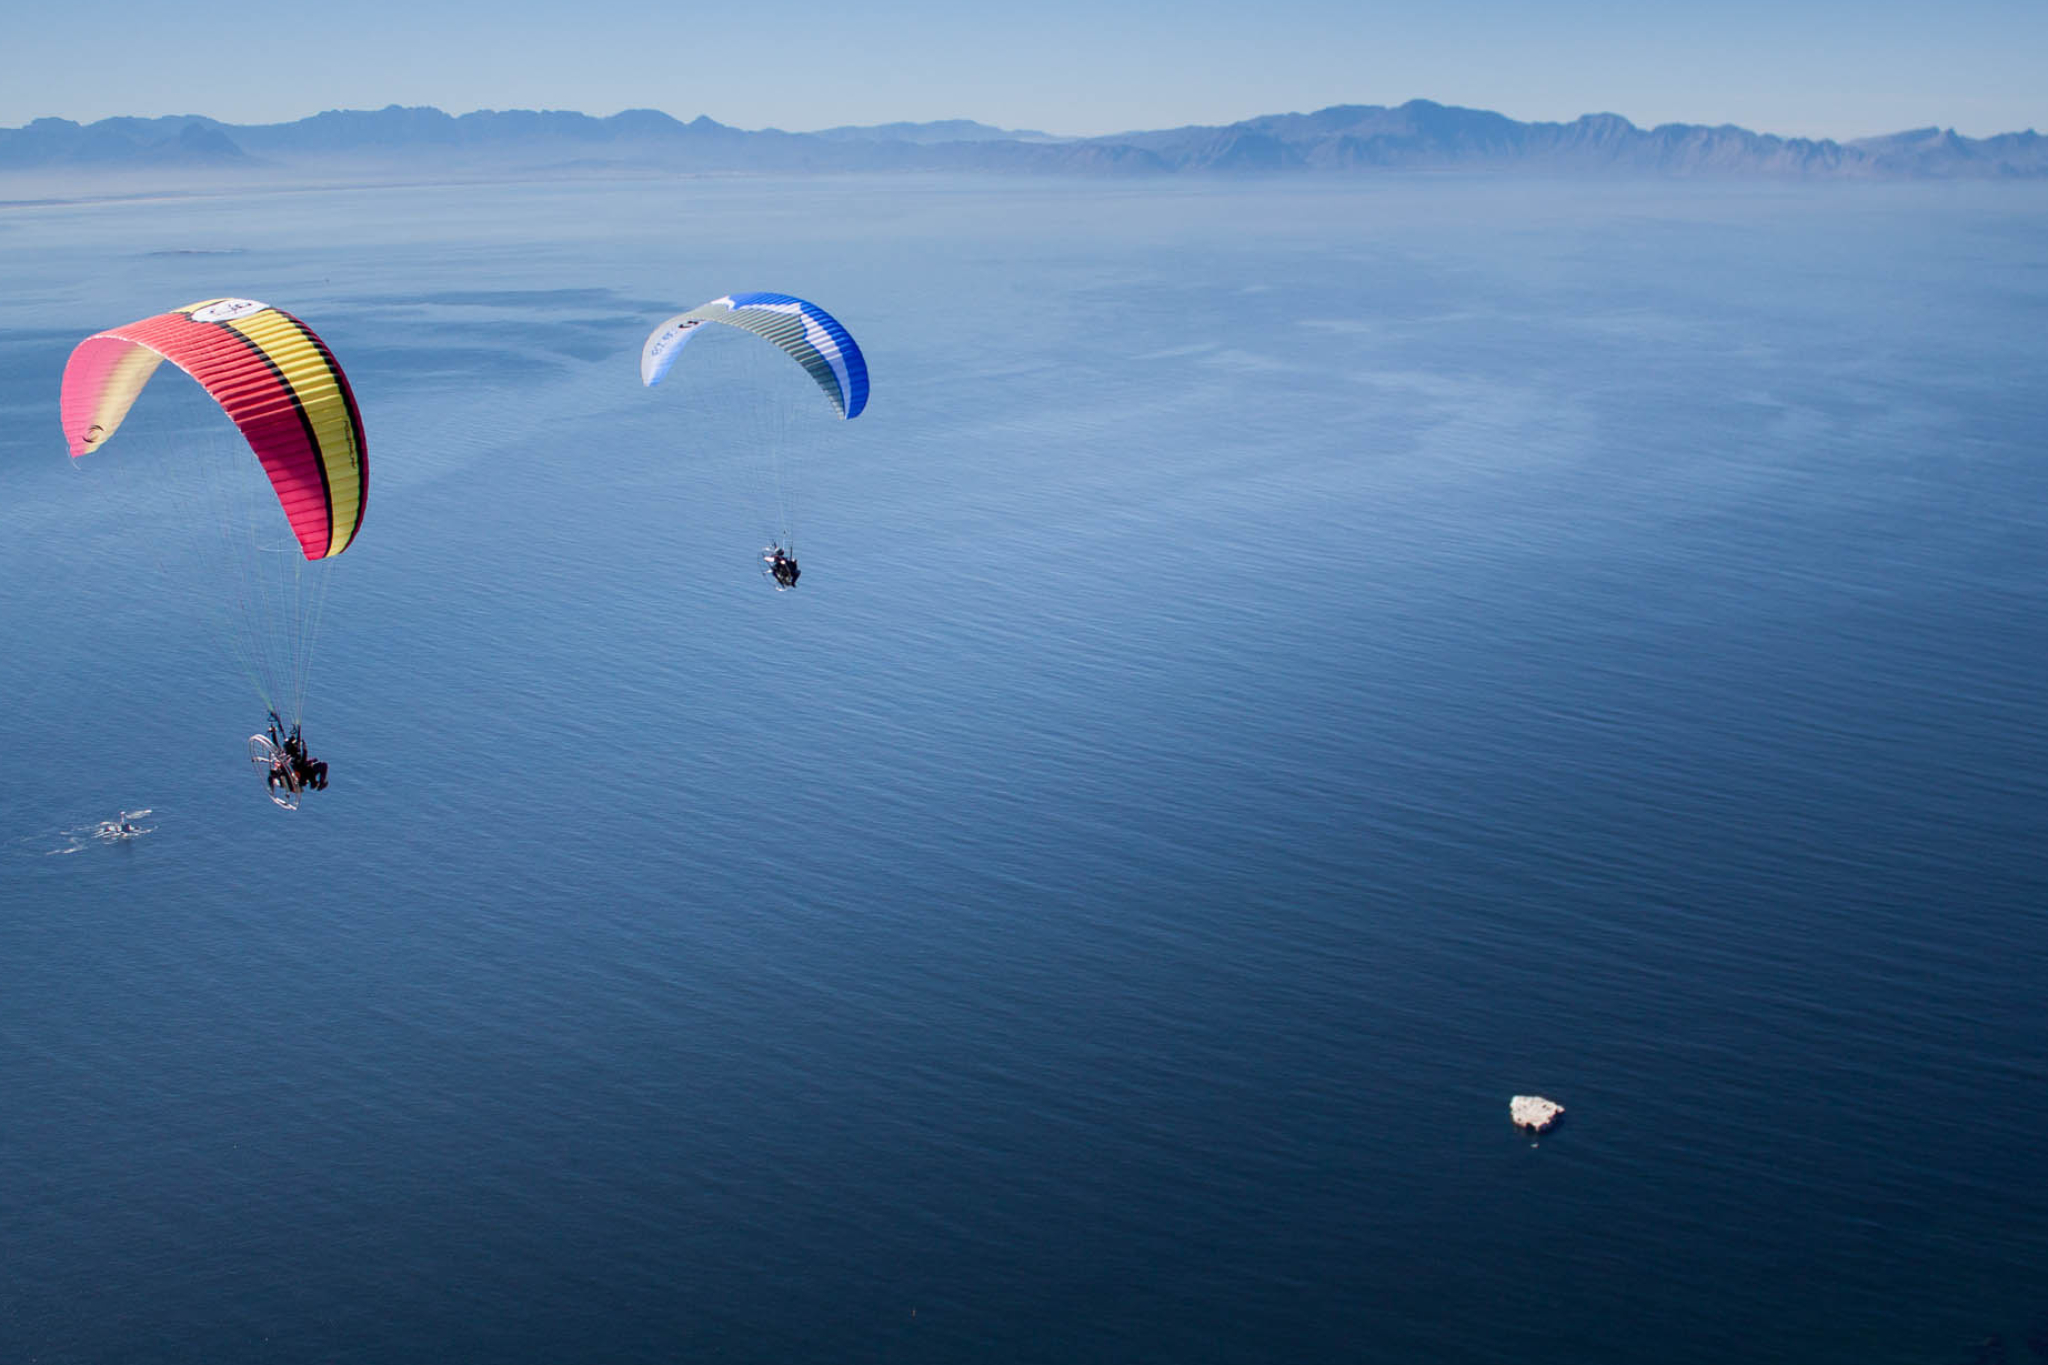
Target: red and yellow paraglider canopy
x=276 y=380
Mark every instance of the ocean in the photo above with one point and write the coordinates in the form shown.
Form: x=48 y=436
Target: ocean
x=1281 y=667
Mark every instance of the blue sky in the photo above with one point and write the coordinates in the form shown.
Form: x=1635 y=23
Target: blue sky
x=1814 y=68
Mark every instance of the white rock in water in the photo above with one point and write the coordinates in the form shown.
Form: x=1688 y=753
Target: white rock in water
x=1533 y=1112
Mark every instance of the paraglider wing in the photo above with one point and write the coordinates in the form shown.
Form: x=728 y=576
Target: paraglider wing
x=807 y=333
x=276 y=380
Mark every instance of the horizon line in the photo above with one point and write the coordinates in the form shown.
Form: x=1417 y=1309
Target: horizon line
x=1038 y=132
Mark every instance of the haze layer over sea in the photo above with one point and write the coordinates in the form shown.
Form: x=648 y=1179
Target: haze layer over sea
x=1279 y=669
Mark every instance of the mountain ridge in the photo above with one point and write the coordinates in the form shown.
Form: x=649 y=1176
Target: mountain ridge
x=1419 y=135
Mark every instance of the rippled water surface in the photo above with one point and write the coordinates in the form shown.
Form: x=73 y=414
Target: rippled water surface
x=1280 y=669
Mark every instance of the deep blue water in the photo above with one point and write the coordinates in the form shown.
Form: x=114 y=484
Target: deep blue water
x=1279 y=669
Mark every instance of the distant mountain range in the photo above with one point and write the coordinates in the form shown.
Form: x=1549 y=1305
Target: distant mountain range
x=945 y=130
x=1347 y=139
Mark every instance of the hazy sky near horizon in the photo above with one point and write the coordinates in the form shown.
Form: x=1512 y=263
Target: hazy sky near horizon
x=1814 y=68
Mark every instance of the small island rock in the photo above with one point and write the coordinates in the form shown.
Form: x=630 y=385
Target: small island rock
x=1533 y=1112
